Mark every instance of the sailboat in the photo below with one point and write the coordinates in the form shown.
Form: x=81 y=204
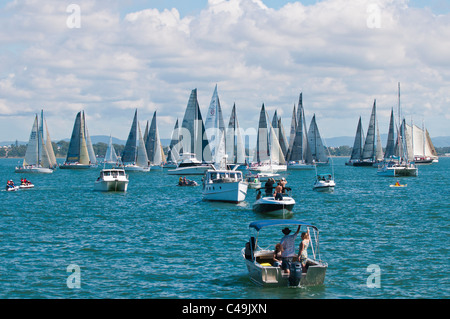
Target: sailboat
x=78 y=153
x=215 y=129
x=269 y=156
x=315 y=143
x=173 y=154
x=194 y=142
x=134 y=156
x=423 y=149
x=300 y=156
x=37 y=158
x=111 y=155
x=153 y=146
x=366 y=155
x=234 y=143
x=400 y=165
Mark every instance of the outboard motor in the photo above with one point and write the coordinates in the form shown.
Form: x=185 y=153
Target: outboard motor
x=295 y=274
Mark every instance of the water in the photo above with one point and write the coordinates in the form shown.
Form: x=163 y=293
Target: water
x=162 y=241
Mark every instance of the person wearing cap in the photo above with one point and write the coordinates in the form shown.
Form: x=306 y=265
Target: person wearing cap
x=288 y=244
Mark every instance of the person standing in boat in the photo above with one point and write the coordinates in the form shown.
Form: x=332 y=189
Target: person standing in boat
x=278 y=192
x=288 y=245
x=303 y=250
x=269 y=186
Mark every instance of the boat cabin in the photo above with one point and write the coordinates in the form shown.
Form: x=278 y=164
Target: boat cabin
x=223 y=177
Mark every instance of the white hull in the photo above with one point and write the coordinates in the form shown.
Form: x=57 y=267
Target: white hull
x=33 y=170
x=111 y=180
x=397 y=171
x=226 y=192
x=111 y=186
x=324 y=186
x=135 y=168
x=12 y=189
x=26 y=186
x=189 y=170
x=270 y=168
x=300 y=166
x=156 y=168
x=271 y=206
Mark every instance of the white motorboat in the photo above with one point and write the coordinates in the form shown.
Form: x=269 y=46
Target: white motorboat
x=270 y=205
x=10 y=188
x=324 y=183
x=253 y=182
x=224 y=185
x=190 y=165
x=395 y=169
x=111 y=180
x=260 y=264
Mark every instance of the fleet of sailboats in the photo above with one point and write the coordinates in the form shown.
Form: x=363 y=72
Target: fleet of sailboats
x=191 y=152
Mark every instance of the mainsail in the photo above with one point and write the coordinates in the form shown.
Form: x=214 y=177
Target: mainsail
x=369 y=150
x=153 y=144
x=315 y=143
x=357 y=144
x=390 y=145
x=234 y=143
x=110 y=156
x=292 y=133
x=173 y=154
x=300 y=150
x=215 y=128
x=134 y=151
x=193 y=136
x=262 y=138
x=78 y=152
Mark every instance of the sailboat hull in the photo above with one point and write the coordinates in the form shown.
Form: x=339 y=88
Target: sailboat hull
x=77 y=166
x=299 y=166
x=34 y=170
x=397 y=171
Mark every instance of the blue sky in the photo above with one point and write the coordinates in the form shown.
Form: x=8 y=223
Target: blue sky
x=135 y=54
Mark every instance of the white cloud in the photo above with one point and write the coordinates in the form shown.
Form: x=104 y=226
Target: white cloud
x=151 y=60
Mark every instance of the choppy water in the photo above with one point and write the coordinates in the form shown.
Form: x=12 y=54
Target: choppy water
x=162 y=241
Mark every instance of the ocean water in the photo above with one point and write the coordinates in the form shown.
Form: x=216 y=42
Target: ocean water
x=159 y=240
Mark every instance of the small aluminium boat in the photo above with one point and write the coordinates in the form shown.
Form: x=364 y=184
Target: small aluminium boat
x=112 y=180
x=264 y=271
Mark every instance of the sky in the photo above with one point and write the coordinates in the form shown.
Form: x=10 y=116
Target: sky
x=109 y=58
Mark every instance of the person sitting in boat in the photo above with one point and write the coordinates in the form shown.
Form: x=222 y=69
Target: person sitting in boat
x=258 y=195
x=397 y=183
x=250 y=248
x=180 y=181
x=278 y=192
x=288 y=244
x=184 y=181
x=277 y=255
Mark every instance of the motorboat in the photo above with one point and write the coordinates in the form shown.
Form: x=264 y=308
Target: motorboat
x=25 y=184
x=186 y=182
x=189 y=165
x=265 y=272
x=324 y=183
x=267 y=167
x=395 y=169
x=270 y=205
x=253 y=182
x=12 y=188
x=112 y=180
x=224 y=185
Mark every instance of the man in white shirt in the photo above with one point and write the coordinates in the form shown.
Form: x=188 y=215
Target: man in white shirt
x=288 y=243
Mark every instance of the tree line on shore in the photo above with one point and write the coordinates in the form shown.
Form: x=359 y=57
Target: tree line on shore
x=60 y=148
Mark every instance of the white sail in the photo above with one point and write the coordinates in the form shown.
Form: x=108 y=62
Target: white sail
x=215 y=128
x=32 y=152
x=315 y=143
x=49 y=146
x=141 y=156
x=110 y=156
x=90 y=148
